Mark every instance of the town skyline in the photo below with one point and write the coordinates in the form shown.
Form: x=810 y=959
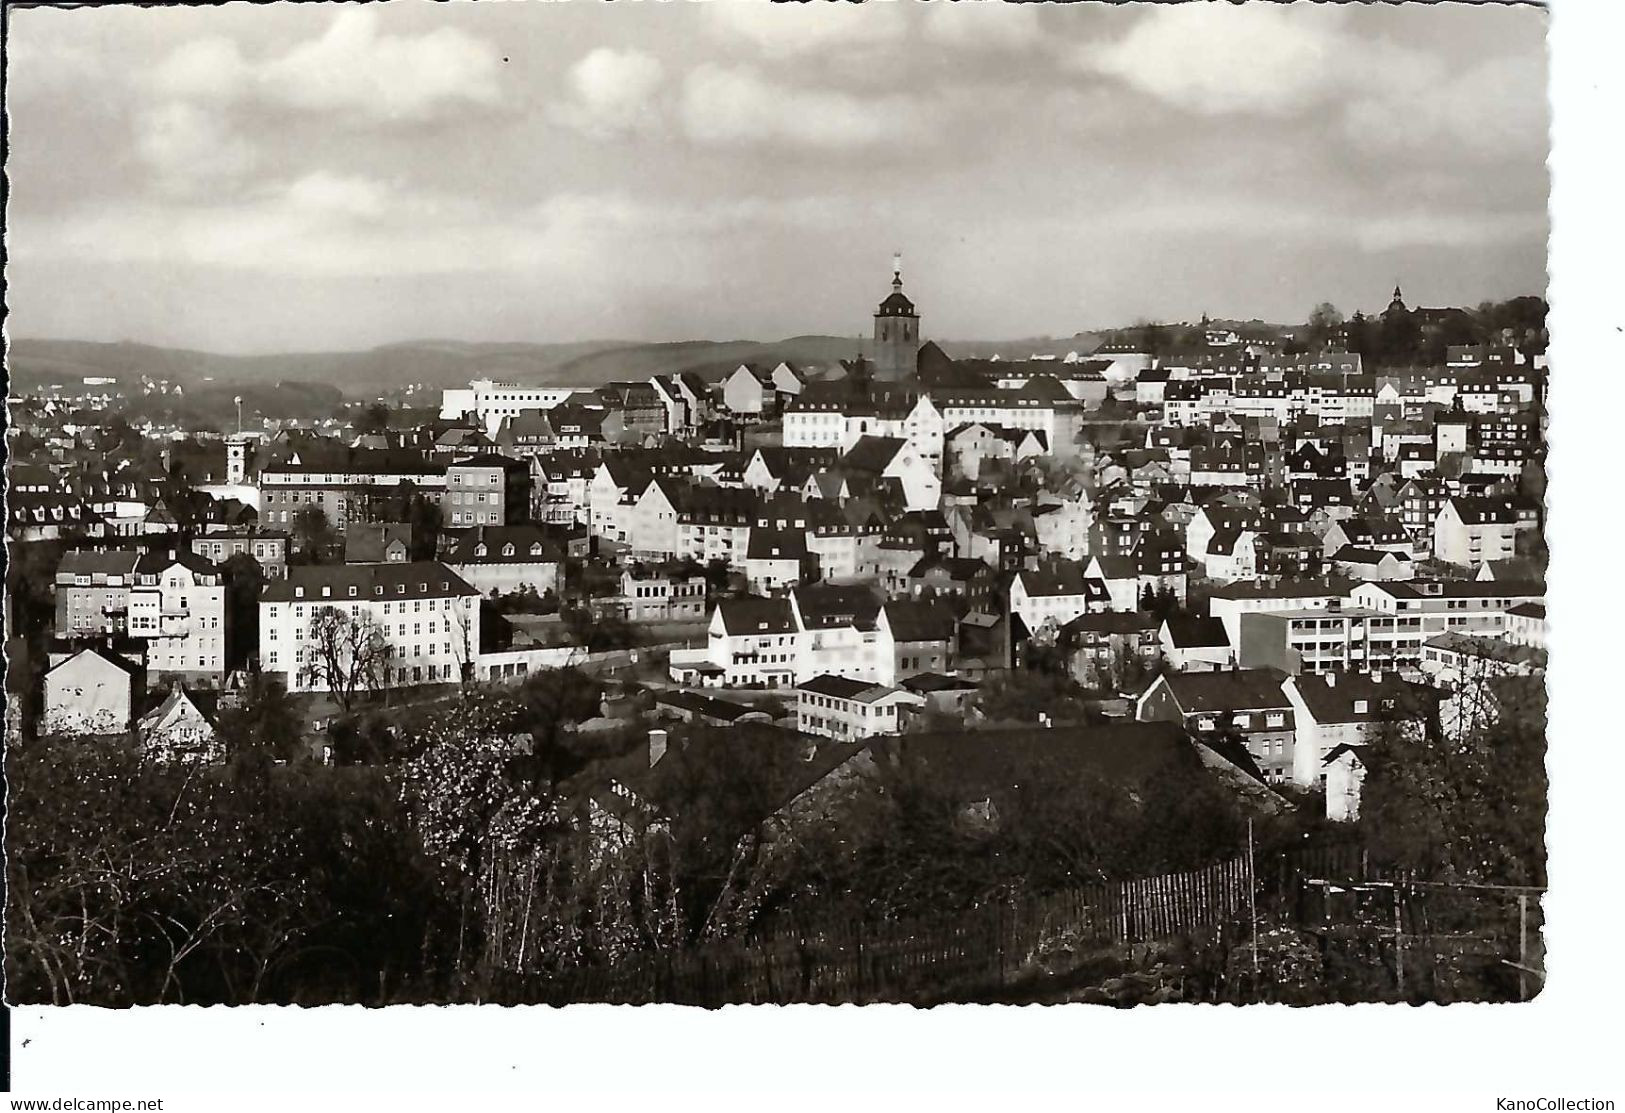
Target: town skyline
x=268 y=186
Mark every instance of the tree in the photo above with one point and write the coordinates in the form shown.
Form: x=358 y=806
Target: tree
x=267 y=721
x=1466 y=801
x=1399 y=338
x=597 y=634
x=373 y=419
x=1325 y=324
x=347 y=655
x=244 y=581
x=131 y=882
x=313 y=538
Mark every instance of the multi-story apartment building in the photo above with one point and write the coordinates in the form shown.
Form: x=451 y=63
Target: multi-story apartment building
x=269 y=548
x=427 y=618
x=93 y=592
x=178 y=607
x=559 y=482
x=1450 y=606
x=486 y=490
x=338 y=480
x=1323 y=639
x=1472 y=530
x=1230 y=602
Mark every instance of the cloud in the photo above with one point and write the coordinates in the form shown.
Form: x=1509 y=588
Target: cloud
x=190 y=148
x=612 y=92
x=1216 y=58
x=211 y=69
x=328 y=224
x=736 y=106
x=1284 y=60
x=1492 y=108
x=351 y=69
x=817 y=27
x=982 y=24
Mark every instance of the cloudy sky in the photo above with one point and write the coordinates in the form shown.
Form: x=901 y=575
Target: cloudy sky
x=299 y=177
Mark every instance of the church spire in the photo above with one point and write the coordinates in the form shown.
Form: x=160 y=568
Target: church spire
x=897 y=271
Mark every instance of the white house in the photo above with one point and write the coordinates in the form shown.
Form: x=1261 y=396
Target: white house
x=847 y=710
x=181 y=728
x=88 y=694
x=1470 y=530
x=749 y=391
x=1055 y=594
x=1334 y=709
x=1343 y=774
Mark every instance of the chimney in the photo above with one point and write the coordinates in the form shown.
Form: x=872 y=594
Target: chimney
x=657 y=746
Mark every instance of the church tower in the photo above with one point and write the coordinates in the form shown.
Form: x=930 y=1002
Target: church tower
x=897 y=332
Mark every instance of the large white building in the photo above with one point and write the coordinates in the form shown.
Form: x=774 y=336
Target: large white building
x=428 y=618
x=491 y=401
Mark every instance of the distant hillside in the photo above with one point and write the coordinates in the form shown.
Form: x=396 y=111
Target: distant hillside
x=709 y=358
x=443 y=363
x=433 y=362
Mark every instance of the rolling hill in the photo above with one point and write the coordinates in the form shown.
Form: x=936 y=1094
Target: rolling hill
x=444 y=363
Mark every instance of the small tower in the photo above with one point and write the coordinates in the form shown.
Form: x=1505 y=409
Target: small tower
x=236 y=460
x=1398 y=304
x=897 y=332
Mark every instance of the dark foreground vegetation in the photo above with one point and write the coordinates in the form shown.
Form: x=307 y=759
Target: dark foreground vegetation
x=488 y=848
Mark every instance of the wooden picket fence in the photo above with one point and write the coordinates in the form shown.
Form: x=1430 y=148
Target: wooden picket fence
x=909 y=961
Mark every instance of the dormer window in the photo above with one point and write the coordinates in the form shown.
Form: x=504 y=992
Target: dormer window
x=352 y=591
x=299 y=593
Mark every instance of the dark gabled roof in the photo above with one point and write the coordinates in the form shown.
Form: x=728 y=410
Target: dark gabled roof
x=708 y=706
x=419 y=579
x=1188 y=632
x=823 y=606
x=153 y=563
x=1284 y=589
x=1491 y=649
x=754 y=615
x=1059 y=578
x=123 y=664
x=920 y=620
x=1357 y=697
x=926 y=682
x=1350 y=554
x=993 y=764
x=464 y=548
x=87 y=562
x=1111 y=622
x=1229 y=690
x=1481 y=510
x=776 y=544
x=1461 y=589
x=871 y=454
x=843 y=688
x=1223 y=542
